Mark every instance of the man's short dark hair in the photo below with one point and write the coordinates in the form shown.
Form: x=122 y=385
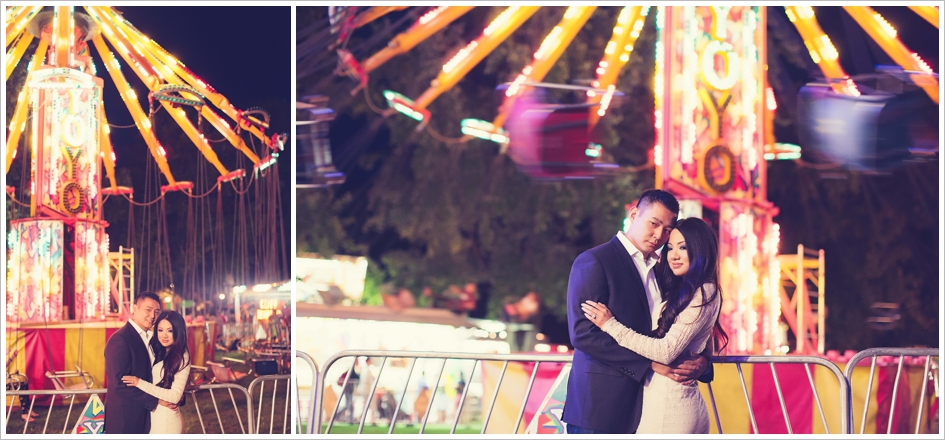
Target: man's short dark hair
x=148 y=295
x=658 y=196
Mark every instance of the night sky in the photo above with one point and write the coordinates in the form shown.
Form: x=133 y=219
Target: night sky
x=243 y=52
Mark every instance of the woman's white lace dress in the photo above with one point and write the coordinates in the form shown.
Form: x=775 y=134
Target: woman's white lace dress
x=163 y=419
x=670 y=407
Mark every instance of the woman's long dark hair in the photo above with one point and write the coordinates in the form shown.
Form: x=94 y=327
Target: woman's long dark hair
x=702 y=246
x=175 y=357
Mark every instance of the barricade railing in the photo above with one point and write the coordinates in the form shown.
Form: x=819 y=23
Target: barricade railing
x=874 y=354
x=313 y=402
x=50 y=408
x=189 y=410
x=261 y=383
x=477 y=359
x=247 y=427
x=806 y=361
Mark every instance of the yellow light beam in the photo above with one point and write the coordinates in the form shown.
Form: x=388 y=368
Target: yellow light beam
x=821 y=49
x=545 y=57
x=63 y=37
x=18 y=122
x=929 y=13
x=107 y=152
x=184 y=73
x=151 y=76
x=167 y=74
x=16 y=52
x=426 y=25
x=20 y=18
x=467 y=58
x=616 y=55
x=131 y=101
x=885 y=36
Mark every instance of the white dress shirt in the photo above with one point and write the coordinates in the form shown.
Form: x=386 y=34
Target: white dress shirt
x=646 y=268
x=145 y=337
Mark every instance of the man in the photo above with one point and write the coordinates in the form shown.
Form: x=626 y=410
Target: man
x=127 y=353
x=605 y=384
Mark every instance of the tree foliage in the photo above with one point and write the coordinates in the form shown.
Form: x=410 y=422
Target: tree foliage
x=429 y=212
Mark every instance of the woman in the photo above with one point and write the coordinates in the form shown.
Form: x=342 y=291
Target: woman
x=688 y=274
x=170 y=371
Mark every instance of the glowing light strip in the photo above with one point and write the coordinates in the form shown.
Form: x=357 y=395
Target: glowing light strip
x=689 y=79
x=494 y=34
x=18 y=19
x=929 y=13
x=821 y=49
x=205 y=89
x=616 y=54
x=108 y=154
x=148 y=63
x=180 y=117
x=15 y=53
x=750 y=89
x=550 y=49
x=130 y=100
x=658 y=87
x=63 y=37
x=884 y=35
x=427 y=25
x=18 y=121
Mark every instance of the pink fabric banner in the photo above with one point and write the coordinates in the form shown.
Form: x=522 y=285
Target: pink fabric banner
x=798 y=398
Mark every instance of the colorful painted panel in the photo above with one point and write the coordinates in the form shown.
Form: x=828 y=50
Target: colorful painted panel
x=34 y=271
x=67 y=159
x=92 y=418
x=709 y=94
x=750 y=279
x=548 y=419
x=91 y=270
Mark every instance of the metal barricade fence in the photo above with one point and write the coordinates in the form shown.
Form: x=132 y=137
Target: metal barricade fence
x=189 y=410
x=771 y=361
x=476 y=358
x=33 y=394
x=221 y=423
x=313 y=402
x=901 y=353
x=261 y=382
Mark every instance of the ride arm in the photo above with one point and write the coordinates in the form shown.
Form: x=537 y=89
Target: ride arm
x=426 y=25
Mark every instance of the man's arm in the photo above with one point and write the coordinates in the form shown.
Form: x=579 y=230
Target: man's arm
x=587 y=282
x=118 y=364
x=709 y=373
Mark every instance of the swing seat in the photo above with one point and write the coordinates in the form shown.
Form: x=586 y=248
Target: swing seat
x=222 y=373
x=58 y=379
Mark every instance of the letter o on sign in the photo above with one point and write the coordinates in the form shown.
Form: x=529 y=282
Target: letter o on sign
x=74 y=131
x=707 y=62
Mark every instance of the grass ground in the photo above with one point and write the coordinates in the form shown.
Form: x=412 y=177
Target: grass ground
x=198 y=412
x=431 y=428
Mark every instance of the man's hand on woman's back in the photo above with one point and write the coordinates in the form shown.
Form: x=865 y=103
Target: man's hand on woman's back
x=685 y=369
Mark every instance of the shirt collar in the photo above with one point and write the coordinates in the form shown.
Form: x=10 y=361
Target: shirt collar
x=138 y=329
x=634 y=251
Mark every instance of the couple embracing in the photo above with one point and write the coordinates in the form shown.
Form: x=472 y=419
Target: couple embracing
x=147 y=364
x=644 y=326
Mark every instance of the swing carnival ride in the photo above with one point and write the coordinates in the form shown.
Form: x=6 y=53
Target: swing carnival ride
x=60 y=265
x=713 y=118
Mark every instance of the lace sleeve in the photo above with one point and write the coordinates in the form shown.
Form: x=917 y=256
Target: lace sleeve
x=172 y=395
x=665 y=350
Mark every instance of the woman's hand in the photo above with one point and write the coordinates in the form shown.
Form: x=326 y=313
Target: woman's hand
x=596 y=312
x=131 y=381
